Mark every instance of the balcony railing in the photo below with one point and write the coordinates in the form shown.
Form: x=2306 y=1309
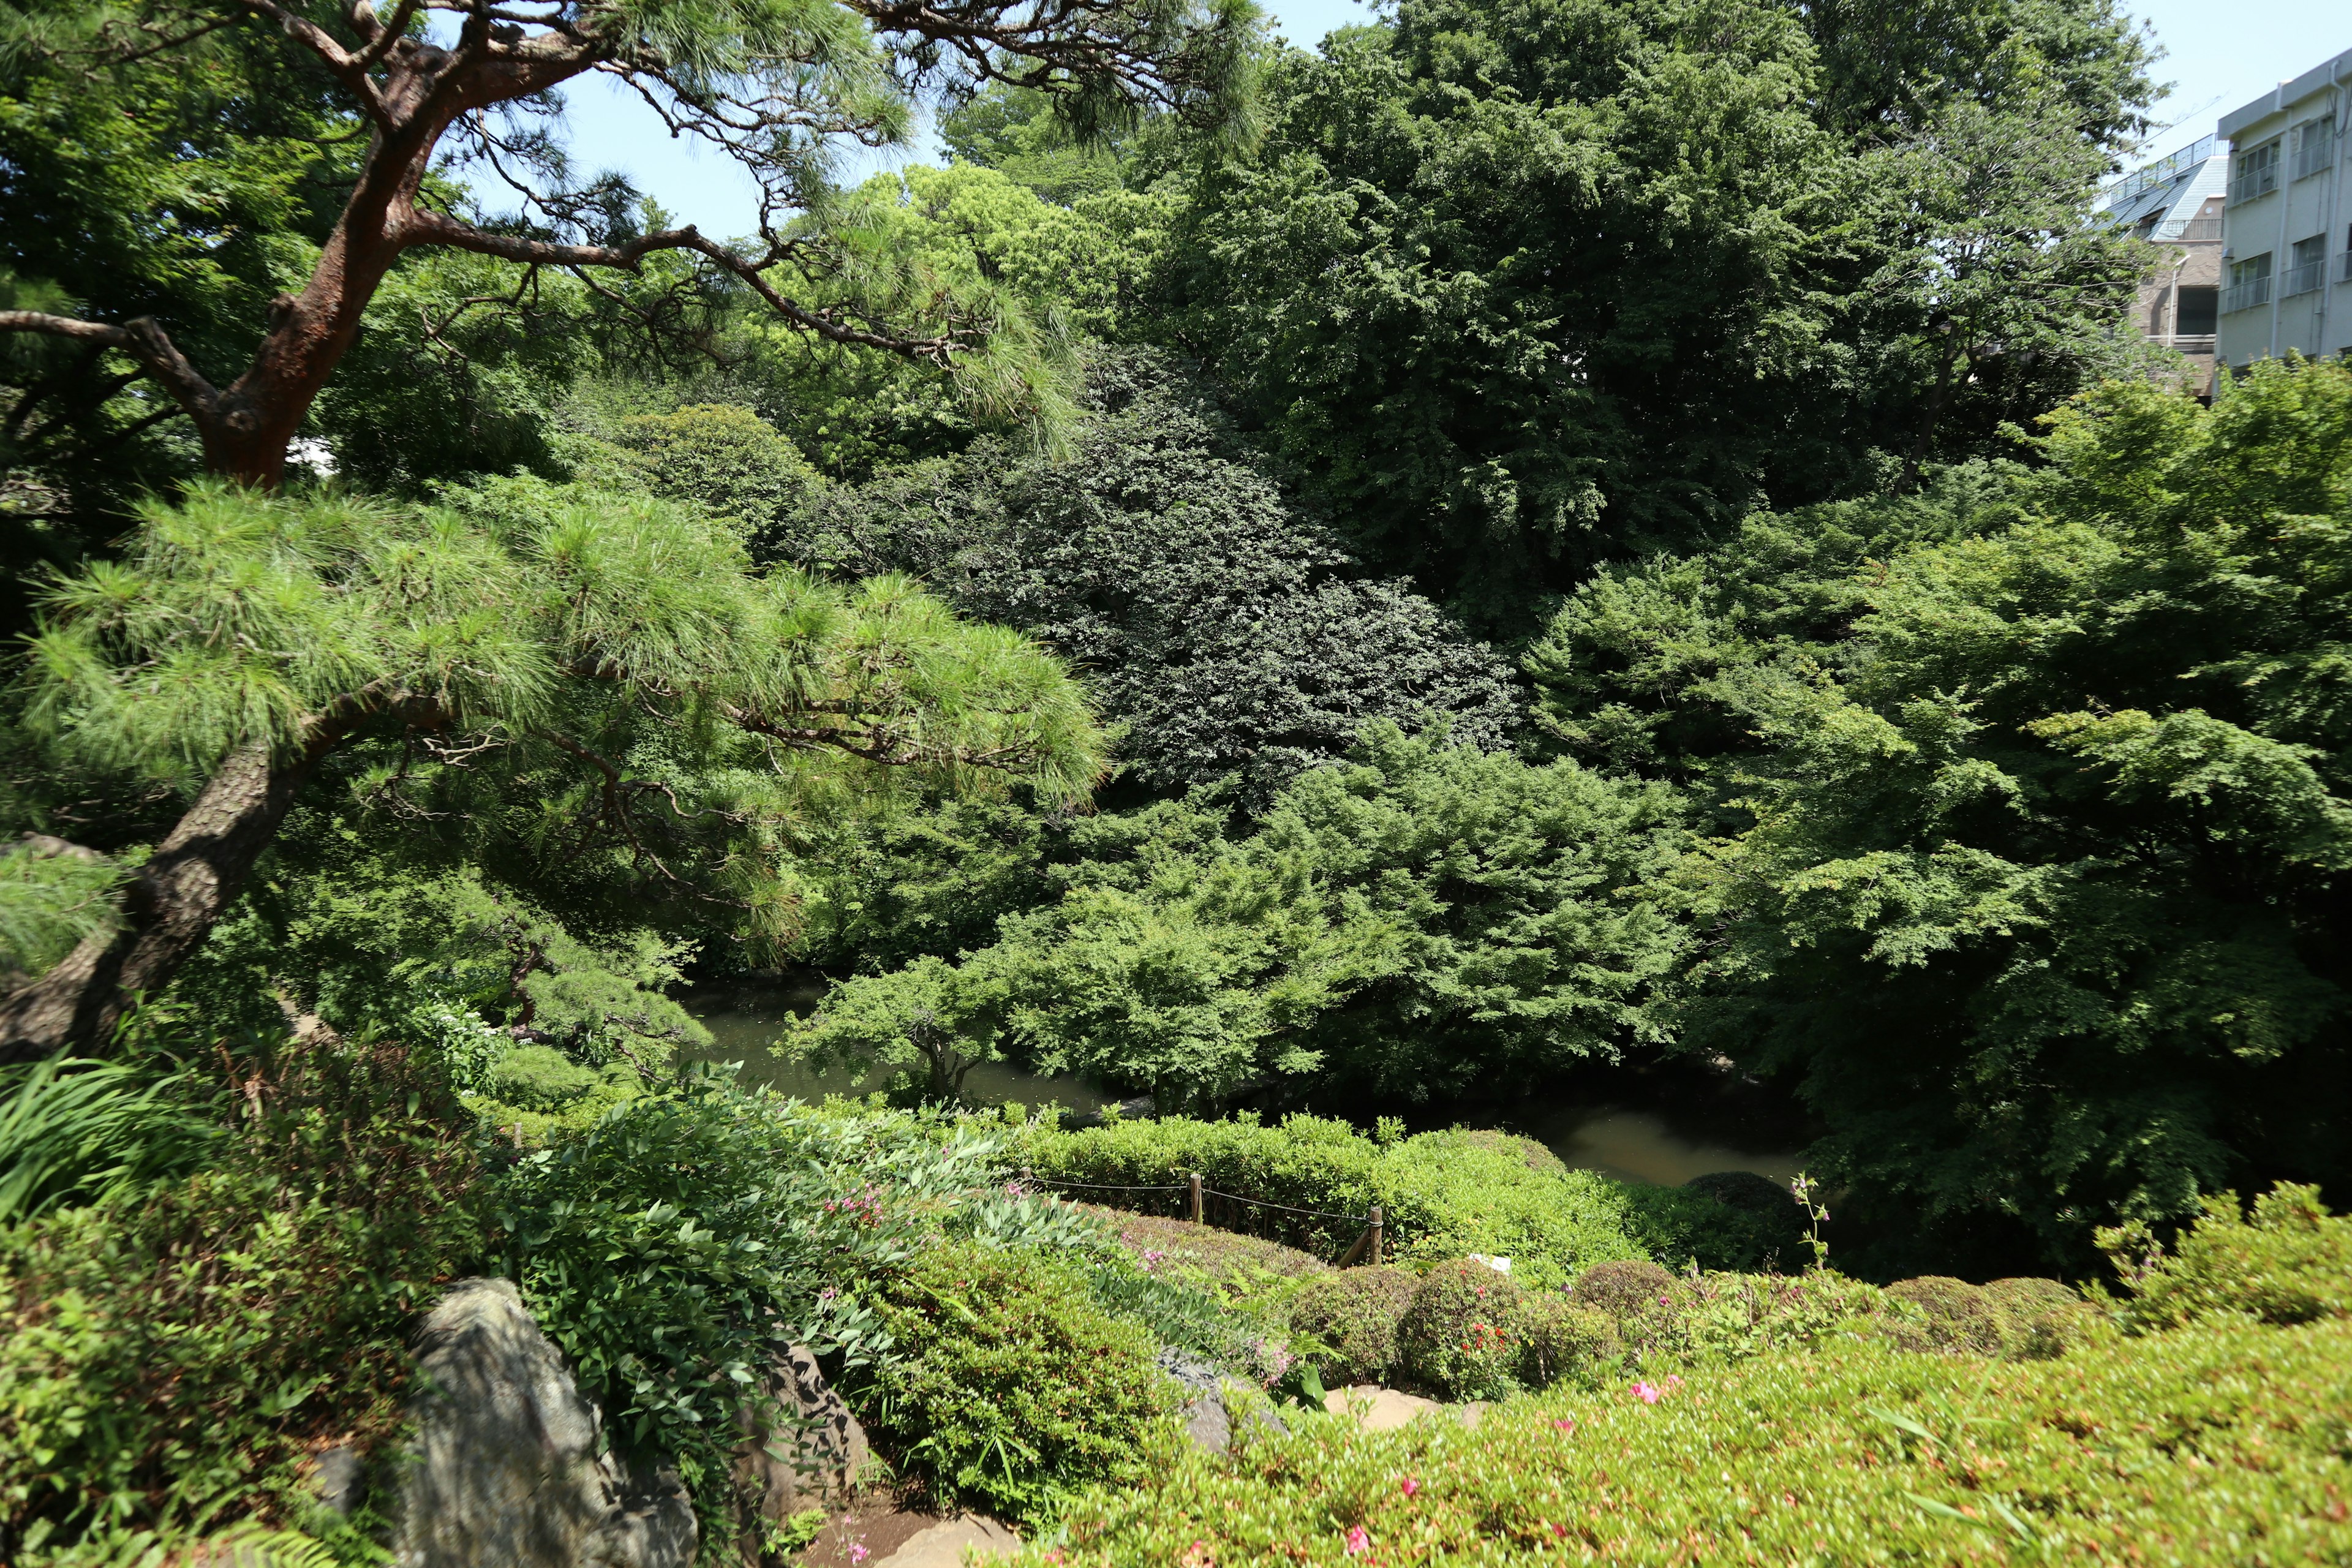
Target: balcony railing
x=2190 y=230
x=2303 y=280
x=2246 y=295
x=2343 y=268
x=2260 y=184
x=2163 y=171
x=2316 y=153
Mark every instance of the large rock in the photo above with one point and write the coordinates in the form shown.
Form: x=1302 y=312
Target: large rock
x=503 y=1467
x=803 y=1447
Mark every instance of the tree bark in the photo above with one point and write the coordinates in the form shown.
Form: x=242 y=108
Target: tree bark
x=169 y=909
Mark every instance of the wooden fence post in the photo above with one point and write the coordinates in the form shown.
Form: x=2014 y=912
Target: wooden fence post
x=1375 y=1248
x=1192 y=1197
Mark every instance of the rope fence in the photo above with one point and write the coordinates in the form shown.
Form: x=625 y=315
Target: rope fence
x=1196 y=1201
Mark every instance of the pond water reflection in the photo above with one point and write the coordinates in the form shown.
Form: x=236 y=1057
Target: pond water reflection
x=1644 y=1146
x=1638 y=1145
x=745 y=1019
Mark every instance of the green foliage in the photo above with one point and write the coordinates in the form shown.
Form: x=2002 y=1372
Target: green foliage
x=50 y=900
x=2288 y=1261
x=1623 y=1290
x=1487 y=260
x=1958 y=1317
x=1459 y=1336
x=75 y=1131
x=2039 y=777
x=1012 y=1386
x=1220 y=624
x=726 y=459
x=1349 y=1321
x=672 y=1247
x=1442 y=1194
x=1428 y=919
x=171 y=1357
x=538 y=1078
x=2224 y=1444
x=1559 y=1340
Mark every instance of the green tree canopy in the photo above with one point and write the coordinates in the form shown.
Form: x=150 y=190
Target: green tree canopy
x=1216 y=621
x=1524 y=286
x=1424 y=920
x=593 y=673
x=2040 y=893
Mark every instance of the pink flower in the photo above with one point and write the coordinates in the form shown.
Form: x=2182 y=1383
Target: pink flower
x=1411 y=1485
x=1566 y=1423
x=858 y=1553
x=1648 y=1393
x=1673 y=1382
x=1360 y=1543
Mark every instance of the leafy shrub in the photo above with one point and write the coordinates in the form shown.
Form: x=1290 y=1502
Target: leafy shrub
x=1226 y=1256
x=1707 y=1318
x=1953 y=1315
x=2220 y=1444
x=540 y=1077
x=1457 y=1337
x=1011 y=1383
x=1558 y=1339
x=670 y=1249
x=1349 y=1317
x=2040 y=1318
x=171 y=1359
x=1444 y=1195
x=2289 y=1262
x=1623 y=1289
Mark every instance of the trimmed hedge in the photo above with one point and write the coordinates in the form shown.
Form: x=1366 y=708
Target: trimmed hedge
x=2220 y=1444
x=1444 y=1195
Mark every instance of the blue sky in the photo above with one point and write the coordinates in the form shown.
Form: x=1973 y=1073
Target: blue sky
x=2219 y=55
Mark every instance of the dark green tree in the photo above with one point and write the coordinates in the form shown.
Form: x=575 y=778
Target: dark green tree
x=1224 y=629
x=2040 y=895
x=1520 y=286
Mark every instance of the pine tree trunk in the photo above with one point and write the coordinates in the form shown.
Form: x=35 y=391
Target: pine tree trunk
x=169 y=909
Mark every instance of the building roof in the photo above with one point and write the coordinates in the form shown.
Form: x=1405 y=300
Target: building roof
x=2170 y=189
x=2288 y=92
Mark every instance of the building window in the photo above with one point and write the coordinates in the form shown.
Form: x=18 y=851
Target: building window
x=2255 y=173
x=2308 y=267
x=2314 y=146
x=2200 y=310
x=2250 y=283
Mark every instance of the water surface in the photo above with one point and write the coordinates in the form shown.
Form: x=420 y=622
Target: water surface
x=1632 y=1146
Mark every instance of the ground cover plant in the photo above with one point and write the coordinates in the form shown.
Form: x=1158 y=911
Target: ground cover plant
x=2216 y=1438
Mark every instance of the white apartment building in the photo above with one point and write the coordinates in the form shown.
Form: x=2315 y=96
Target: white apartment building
x=2286 y=241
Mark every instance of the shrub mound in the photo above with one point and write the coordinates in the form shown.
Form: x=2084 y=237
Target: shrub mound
x=1622 y=1289
x=1953 y=1315
x=2289 y=1261
x=1459 y=1336
x=1559 y=1340
x=1010 y=1383
x=1348 y=1319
